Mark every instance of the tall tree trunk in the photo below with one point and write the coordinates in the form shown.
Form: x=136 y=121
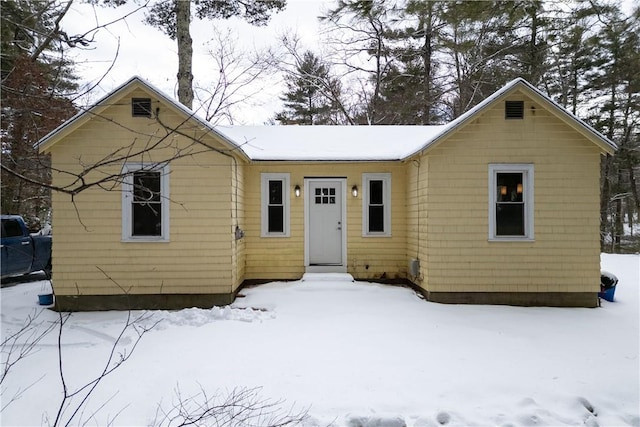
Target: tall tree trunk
x=375 y=98
x=618 y=228
x=574 y=90
x=428 y=53
x=605 y=194
x=185 y=52
x=634 y=189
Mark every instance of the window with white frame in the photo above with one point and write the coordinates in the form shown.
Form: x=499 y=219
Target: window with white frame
x=275 y=204
x=376 y=204
x=511 y=202
x=145 y=203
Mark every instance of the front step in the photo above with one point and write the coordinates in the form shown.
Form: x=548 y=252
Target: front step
x=327 y=277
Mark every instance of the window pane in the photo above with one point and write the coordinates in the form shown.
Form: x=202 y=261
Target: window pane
x=375 y=192
x=275 y=192
x=146 y=186
x=276 y=219
x=376 y=219
x=510 y=188
x=510 y=219
x=147 y=219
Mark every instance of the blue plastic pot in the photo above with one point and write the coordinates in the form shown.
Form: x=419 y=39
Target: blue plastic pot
x=45 y=299
x=607 y=294
x=608 y=282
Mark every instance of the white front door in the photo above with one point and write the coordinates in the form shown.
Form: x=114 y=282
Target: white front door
x=325 y=224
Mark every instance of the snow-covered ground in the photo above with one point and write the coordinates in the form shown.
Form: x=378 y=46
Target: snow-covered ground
x=350 y=353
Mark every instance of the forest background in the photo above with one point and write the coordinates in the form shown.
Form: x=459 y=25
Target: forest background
x=371 y=62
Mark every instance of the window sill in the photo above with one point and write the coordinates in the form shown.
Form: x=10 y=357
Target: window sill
x=512 y=239
x=274 y=236
x=145 y=240
x=376 y=235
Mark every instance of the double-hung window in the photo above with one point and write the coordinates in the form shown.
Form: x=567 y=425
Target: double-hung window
x=275 y=204
x=145 y=203
x=511 y=202
x=376 y=209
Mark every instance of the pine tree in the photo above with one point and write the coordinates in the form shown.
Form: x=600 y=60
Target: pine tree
x=35 y=81
x=310 y=94
x=614 y=82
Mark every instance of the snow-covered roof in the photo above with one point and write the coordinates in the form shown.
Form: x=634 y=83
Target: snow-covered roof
x=368 y=143
x=330 y=143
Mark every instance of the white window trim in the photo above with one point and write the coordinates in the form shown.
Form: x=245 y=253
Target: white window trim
x=386 y=196
x=127 y=195
x=264 y=203
x=528 y=179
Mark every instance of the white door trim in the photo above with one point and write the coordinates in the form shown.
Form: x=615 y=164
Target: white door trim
x=307 y=195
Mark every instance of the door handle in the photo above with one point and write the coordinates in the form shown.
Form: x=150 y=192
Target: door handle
x=339 y=225
x=24 y=243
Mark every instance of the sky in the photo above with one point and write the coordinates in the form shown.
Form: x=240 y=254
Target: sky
x=139 y=49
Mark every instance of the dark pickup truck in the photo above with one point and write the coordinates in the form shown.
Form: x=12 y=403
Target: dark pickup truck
x=23 y=253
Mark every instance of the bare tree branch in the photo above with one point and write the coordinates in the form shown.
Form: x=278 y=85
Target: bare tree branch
x=240 y=407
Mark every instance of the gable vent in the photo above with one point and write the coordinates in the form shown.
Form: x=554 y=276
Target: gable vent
x=514 y=109
x=141 y=107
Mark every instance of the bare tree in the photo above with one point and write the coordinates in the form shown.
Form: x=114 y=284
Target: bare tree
x=73 y=402
x=17 y=346
x=357 y=32
x=242 y=407
x=38 y=93
x=235 y=77
x=93 y=174
x=173 y=17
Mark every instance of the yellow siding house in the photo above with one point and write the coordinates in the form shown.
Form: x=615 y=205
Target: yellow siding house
x=164 y=210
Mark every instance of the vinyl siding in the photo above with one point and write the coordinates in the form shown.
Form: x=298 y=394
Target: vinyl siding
x=565 y=254
x=200 y=256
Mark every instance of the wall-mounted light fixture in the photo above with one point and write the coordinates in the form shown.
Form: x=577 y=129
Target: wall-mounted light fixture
x=296 y=190
x=519 y=189
x=503 y=190
x=354 y=191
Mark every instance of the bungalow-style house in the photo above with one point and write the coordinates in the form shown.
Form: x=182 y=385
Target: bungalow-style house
x=500 y=206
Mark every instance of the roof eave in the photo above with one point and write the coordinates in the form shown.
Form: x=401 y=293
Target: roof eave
x=50 y=139
x=336 y=160
x=606 y=145
x=58 y=133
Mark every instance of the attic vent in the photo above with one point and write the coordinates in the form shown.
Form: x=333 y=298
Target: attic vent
x=141 y=107
x=514 y=109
